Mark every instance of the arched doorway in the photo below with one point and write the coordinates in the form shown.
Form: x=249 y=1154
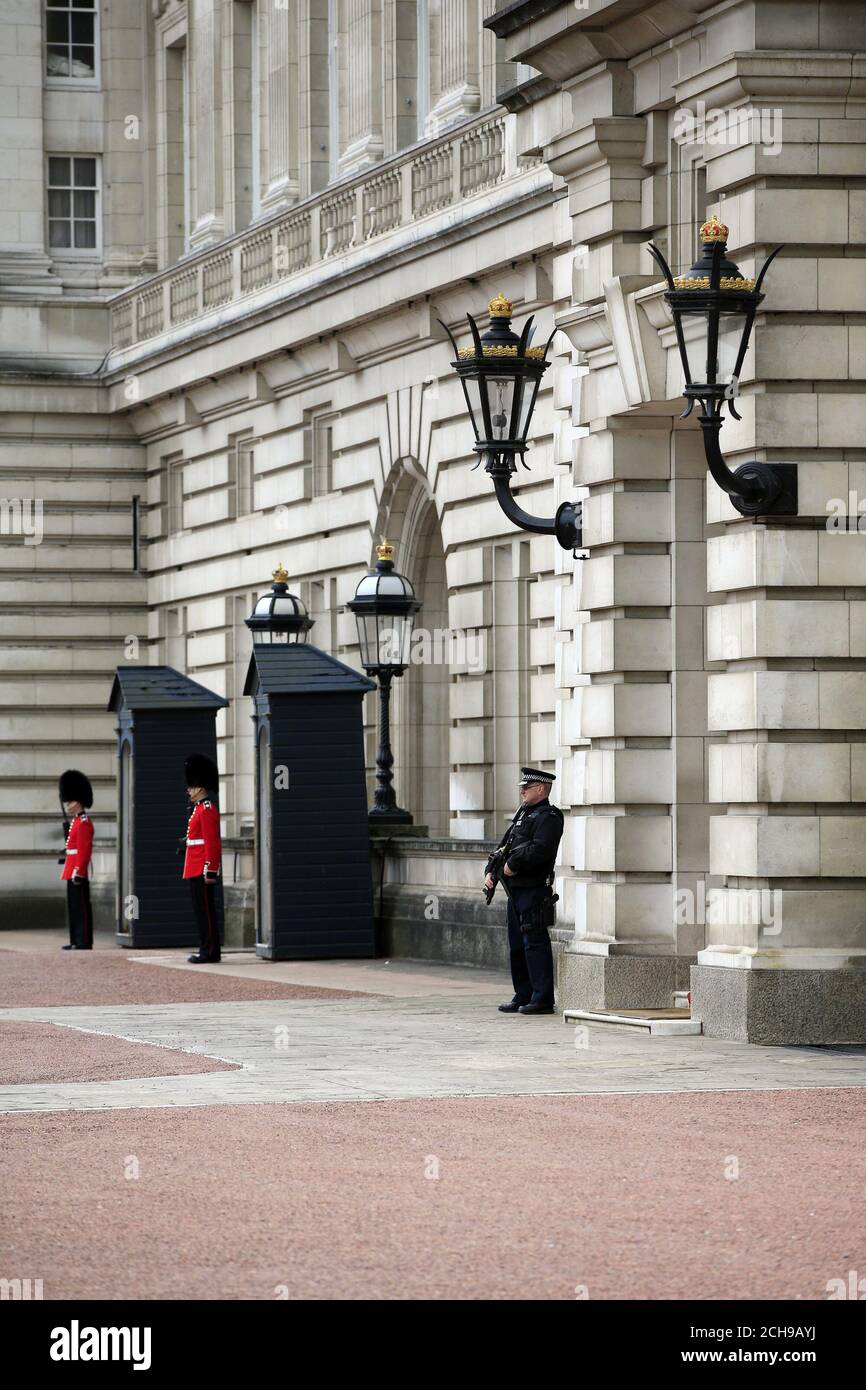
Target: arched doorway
x=420 y=703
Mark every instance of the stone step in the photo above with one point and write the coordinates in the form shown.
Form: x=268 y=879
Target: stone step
x=654 y=1021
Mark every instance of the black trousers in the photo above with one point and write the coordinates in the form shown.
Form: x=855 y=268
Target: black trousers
x=204 y=910
x=80 y=914
x=529 y=949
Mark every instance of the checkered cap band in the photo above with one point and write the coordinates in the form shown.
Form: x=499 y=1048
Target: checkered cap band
x=535 y=774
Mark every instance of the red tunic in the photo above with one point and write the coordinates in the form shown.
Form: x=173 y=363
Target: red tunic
x=79 y=847
x=203 y=843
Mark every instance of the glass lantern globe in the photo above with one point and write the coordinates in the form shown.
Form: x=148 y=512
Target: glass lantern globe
x=500 y=375
x=713 y=308
x=384 y=606
x=278 y=615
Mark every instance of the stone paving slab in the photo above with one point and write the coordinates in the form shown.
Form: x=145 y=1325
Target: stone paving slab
x=374 y=1048
x=400 y=978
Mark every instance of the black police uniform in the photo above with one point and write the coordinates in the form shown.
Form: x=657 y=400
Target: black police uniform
x=535 y=835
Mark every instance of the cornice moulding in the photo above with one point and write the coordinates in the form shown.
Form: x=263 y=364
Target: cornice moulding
x=770 y=74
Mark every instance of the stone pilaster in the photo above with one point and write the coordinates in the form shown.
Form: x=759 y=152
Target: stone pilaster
x=399 y=74
x=364 y=140
x=313 y=131
x=459 y=64
x=786 y=945
x=24 y=263
x=281 y=135
x=241 y=140
x=627 y=950
x=128 y=216
x=209 y=221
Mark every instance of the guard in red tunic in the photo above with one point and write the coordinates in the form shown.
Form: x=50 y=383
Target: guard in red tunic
x=203 y=858
x=76 y=794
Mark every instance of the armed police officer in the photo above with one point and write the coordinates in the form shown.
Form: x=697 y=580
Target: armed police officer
x=524 y=863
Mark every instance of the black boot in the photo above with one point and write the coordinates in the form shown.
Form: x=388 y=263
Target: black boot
x=512 y=1007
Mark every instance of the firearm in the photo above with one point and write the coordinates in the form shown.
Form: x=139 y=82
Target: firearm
x=496 y=865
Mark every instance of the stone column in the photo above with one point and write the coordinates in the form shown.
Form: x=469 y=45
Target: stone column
x=626 y=953
x=785 y=958
x=642 y=500
x=460 y=93
x=206 y=75
x=281 y=135
x=313 y=131
x=171 y=161
x=399 y=74
x=128 y=231
x=24 y=262
x=364 y=140
x=240 y=148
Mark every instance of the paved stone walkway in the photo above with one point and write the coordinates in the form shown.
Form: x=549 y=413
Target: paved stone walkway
x=407 y=1140
x=450 y=1042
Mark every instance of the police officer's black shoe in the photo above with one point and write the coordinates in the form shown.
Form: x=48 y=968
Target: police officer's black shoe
x=511 y=1007
x=536 y=1009
x=203 y=960
x=69 y=947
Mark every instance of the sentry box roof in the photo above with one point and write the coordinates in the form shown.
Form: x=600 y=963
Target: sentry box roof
x=160 y=687
x=295 y=668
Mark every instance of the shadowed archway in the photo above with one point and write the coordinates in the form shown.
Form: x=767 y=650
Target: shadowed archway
x=420 y=703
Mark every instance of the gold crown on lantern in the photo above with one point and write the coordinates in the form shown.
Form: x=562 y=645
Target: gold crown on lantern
x=500 y=307
x=714 y=230
x=385 y=550
x=702 y=282
x=280 y=576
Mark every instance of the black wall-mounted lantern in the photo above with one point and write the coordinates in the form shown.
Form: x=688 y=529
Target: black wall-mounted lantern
x=713 y=308
x=384 y=607
x=500 y=375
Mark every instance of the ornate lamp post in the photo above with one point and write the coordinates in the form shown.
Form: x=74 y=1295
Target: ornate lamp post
x=500 y=375
x=713 y=308
x=278 y=615
x=384 y=607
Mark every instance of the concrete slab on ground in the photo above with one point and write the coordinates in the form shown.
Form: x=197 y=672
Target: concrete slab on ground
x=373 y=1048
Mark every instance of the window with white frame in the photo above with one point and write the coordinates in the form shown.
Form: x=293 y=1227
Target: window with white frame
x=318 y=453
x=241 y=458
x=71 y=33
x=173 y=493
x=73 y=202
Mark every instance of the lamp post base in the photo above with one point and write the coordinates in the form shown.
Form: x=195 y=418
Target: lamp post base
x=387 y=815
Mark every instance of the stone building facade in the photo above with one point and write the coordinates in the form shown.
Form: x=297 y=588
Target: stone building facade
x=230 y=230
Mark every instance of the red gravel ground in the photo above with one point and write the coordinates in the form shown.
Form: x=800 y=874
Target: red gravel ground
x=546 y=1197
x=31 y=979
x=36 y=1052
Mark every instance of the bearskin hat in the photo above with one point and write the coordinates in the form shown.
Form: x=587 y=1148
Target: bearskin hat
x=74 y=786
x=201 y=771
